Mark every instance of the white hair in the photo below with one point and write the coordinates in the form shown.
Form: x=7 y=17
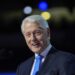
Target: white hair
x=34 y=19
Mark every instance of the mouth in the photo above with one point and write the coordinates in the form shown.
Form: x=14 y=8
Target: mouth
x=35 y=45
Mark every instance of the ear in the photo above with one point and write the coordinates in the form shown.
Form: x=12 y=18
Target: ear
x=48 y=33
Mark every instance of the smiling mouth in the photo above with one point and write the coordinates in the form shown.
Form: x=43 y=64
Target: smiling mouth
x=35 y=45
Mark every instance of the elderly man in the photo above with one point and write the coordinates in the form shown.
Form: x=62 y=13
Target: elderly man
x=46 y=60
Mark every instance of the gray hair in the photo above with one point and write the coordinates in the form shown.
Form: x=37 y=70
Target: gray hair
x=34 y=19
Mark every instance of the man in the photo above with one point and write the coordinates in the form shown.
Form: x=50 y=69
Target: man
x=53 y=62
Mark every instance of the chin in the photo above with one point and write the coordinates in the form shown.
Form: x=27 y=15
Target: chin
x=36 y=51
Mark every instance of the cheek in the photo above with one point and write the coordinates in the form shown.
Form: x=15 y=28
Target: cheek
x=39 y=38
x=27 y=40
x=42 y=39
x=28 y=44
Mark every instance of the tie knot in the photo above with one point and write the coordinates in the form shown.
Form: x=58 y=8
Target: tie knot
x=38 y=57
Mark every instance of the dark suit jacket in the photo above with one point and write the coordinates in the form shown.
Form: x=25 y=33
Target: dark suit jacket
x=56 y=63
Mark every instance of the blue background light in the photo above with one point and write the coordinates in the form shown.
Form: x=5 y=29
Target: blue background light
x=7 y=73
x=43 y=6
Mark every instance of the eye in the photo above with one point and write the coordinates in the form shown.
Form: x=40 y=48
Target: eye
x=28 y=34
x=38 y=32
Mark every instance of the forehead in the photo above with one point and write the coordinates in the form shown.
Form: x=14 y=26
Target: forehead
x=34 y=25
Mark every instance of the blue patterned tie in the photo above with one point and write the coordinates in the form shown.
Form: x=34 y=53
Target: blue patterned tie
x=37 y=64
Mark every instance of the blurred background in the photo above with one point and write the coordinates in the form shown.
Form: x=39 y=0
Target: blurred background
x=60 y=15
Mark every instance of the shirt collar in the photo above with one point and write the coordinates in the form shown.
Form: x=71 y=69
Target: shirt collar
x=45 y=52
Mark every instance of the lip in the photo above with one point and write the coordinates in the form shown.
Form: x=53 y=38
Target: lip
x=35 y=45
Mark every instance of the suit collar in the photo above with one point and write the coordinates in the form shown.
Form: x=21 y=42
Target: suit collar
x=46 y=51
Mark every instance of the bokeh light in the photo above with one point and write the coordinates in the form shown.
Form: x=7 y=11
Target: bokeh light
x=27 y=10
x=46 y=15
x=43 y=6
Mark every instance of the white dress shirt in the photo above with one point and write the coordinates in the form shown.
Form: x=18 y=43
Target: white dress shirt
x=44 y=54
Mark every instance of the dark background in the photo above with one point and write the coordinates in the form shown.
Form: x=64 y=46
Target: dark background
x=13 y=48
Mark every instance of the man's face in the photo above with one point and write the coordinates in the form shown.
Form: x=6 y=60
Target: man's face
x=37 y=37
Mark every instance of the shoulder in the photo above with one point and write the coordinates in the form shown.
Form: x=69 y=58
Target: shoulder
x=62 y=55
x=61 y=59
x=66 y=54
x=24 y=66
x=65 y=57
x=26 y=62
x=67 y=61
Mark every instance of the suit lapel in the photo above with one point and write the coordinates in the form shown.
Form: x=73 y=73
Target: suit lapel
x=48 y=58
x=29 y=66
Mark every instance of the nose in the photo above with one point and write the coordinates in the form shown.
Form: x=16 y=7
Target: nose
x=33 y=37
